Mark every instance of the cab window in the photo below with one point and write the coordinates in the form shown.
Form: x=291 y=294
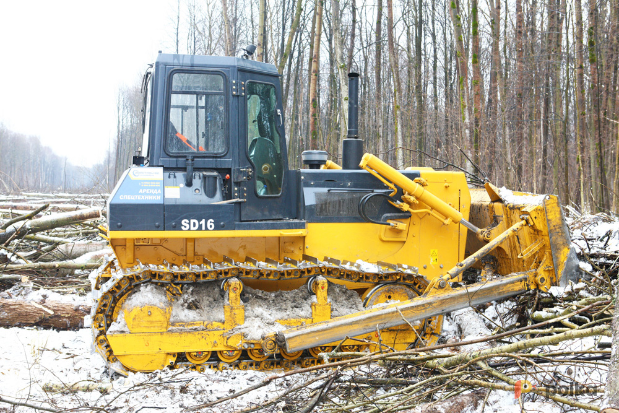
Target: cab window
x=263 y=137
x=196 y=122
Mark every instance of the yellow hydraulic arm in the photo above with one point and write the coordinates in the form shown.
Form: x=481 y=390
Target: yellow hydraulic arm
x=414 y=192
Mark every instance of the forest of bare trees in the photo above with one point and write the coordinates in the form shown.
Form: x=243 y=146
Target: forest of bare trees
x=28 y=165
x=522 y=92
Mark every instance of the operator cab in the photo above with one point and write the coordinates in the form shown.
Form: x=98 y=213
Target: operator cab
x=219 y=121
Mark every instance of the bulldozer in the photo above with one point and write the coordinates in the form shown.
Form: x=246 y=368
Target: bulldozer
x=225 y=258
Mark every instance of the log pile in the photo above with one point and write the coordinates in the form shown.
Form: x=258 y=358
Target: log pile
x=48 y=242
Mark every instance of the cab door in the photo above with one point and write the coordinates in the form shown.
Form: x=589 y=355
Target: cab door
x=262 y=175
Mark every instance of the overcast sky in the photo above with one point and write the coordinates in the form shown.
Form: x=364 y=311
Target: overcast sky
x=62 y=63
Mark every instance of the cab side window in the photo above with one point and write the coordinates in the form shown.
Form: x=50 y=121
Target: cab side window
x=263 y=137
x=197 y=122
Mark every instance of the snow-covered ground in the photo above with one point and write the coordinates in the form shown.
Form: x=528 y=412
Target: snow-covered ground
x=44 y=367
x=58 y=369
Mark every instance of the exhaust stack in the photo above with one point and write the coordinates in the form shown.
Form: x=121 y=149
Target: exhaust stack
x=352 y=146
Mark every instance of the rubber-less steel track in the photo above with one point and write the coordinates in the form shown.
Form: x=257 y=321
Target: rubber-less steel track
x=110 y=284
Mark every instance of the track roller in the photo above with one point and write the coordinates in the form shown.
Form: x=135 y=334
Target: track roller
x=290 y=356
x=198 y=357
x=229 y=356
x=257 y=354
x=315 y=351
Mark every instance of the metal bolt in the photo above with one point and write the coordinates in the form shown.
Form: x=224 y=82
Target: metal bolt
x=425 y=266
x=148 y=312
x=441 y=265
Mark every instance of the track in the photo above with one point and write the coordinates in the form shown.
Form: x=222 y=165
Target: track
x=112 y=285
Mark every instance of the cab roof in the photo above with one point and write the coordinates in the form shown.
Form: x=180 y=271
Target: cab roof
x=215 y=61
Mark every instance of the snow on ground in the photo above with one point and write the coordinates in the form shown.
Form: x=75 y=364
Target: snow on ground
x=504 y=402
x=40 y=366
x=597 y=233
x=27 y=292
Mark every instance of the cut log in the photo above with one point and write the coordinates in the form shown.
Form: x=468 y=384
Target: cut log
x=50 y=314
x=20 y=230
x=73 y=250
x=47 y=239
x=65 y=265
x=610 y=402
x=26 y=207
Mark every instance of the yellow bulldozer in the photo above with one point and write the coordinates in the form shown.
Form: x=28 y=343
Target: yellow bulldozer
x=226 y=258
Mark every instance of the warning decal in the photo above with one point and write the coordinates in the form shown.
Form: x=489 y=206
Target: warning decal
x=433 y=256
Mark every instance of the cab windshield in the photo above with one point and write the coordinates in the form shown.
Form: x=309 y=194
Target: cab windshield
x=197 y=118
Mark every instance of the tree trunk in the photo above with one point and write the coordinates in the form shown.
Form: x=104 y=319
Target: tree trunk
x=463 y=74
x=595 y=99
x=310 y=62
x=418 y=85
x=477 y=85
x=557 y=60
x=566 y=117
x=227 y=28
x=291 y=35
x=379 y=85
x=314 y=109
x=260 y=48
x=342 y=69
x=519 y=124
x=493 y=93
x=351 y=48
x=50 y=314
x=581 y=111
x=435 y=127
x=395 y=71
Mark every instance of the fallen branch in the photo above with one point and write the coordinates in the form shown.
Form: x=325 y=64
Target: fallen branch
x=16 y=231
x=521 y=345
x=18 y=403
x=23 y=217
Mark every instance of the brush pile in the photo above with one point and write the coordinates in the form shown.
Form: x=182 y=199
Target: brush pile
x=547 y=352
